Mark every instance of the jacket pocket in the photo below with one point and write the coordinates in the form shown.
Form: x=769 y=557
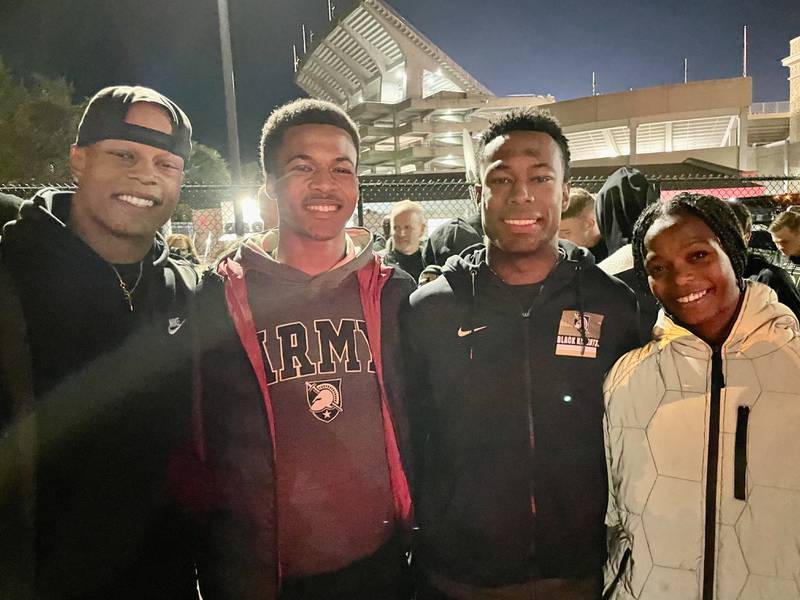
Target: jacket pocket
x=740 y=454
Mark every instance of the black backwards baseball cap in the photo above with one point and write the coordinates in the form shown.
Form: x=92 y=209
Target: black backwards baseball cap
x=104 y=119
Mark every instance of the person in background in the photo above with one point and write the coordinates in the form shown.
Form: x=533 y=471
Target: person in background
x=379 y=238
x=579 y=224
x=761 y=270
x=95 y=368
x=407 y=228
x=181 y=245
x=785 y=231
x=701 y=423
x=620 y=201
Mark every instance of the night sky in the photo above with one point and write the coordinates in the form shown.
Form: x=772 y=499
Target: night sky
x=511 y=46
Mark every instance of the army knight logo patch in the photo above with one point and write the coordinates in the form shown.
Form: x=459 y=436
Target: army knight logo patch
x=579 y=334
x=324 y=399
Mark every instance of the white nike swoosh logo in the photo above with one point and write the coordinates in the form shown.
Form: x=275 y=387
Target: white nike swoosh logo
x=466 y=332
x=175 y=324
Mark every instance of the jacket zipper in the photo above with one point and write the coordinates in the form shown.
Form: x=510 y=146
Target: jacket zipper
x=526 y=316
x=709 y=555
x=529 y=394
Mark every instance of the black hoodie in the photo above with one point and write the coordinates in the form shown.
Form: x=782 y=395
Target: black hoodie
x=506 y=409
x=452 y=238
x=9 y=207
x=620 y=201
x=110 y=392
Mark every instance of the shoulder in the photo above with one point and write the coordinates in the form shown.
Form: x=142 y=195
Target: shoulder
x=437 y=295
x=387 y=256
x=399 y=286
x=633 y=372
x=185 y=273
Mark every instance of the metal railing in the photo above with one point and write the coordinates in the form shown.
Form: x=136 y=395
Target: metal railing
x=768 y=108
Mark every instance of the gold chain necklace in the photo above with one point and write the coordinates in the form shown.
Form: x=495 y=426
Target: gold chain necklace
x=128 y=291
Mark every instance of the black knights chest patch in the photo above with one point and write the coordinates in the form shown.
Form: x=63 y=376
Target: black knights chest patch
x=324 y=399
x=579 y=334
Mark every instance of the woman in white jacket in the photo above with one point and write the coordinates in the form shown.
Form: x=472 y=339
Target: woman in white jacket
x=703 y=424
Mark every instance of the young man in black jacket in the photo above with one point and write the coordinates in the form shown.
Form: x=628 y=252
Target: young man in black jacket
x=506 y=352
x=95 y=401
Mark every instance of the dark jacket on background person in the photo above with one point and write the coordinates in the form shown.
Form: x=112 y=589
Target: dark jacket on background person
x=452 y=238
x=9 y=206
x=242 y=558
x=506 y=414
x=761 y=270
x=619 y=203
x=410 y=263
x=95 y=404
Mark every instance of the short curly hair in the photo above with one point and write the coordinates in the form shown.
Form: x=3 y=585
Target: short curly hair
x=304 y=111
x=713 y=211
x=528 y=119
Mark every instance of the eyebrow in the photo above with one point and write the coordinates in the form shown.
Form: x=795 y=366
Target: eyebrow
x=696 y=240
x=307 y=157
x=538 y=165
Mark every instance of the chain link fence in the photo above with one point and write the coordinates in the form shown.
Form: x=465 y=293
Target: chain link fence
x=205 y=212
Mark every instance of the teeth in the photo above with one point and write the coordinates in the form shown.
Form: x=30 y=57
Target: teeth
x=692 y=297
x=322 y=207
x=136 y=201
x=520 y=221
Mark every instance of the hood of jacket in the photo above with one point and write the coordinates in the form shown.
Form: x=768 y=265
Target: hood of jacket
x=462 y=270
x=474 y=256
x=762 y=325
x=255 y=253
x=619 y=203
x=42 y=224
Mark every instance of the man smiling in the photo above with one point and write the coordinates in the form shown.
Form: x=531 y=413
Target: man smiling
x=300 y=386
x=94 y=368
x=506 y=352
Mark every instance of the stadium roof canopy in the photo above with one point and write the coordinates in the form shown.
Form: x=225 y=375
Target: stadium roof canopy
x=374 y=54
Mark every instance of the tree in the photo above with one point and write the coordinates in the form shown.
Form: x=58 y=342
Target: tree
x=252 y=173
x=206 y=165
x=37 y=125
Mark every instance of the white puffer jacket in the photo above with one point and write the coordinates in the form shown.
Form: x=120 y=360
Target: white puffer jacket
x=662 y=432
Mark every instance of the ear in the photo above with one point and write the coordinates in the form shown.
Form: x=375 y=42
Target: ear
x=77 y=162
x=564 y=197
x=269 y=188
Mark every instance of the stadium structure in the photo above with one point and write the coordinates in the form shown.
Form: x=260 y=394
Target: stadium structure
x=413 y=102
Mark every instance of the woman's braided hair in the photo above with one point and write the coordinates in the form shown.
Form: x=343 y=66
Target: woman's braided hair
x=714 y=212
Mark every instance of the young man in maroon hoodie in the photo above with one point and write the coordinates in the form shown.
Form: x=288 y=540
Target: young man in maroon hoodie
x=300 y=387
